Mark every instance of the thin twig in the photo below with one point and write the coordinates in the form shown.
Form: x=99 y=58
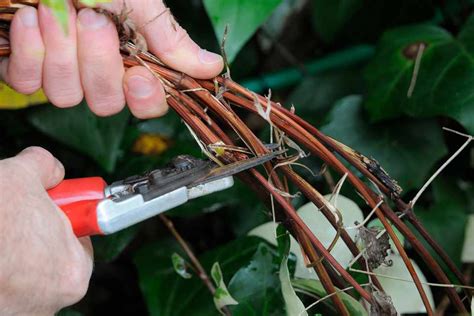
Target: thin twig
x=456 y=286
x=325 y=297
x=367 y=218
x=416 y=69
x=440 y=169
x=202 y=274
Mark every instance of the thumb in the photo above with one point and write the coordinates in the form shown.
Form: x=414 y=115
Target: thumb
x=172 y=44
x=168 y=40
x=42 y=164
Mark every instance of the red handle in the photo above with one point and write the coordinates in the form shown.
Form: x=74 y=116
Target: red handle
x=78 y=198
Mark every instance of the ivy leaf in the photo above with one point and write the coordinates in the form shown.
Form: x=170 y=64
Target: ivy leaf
x=166 y=293
x=77 y=127
x=256 y=286
x=444 y=82
x=293 y=304
x=448 y=213
x=222 y=296
x=355 y=21
x=322 y=229
x=330 y=16
x=68 y=312
x=243 y=17
x=314 y=96
x=108 y=248
x=397 y=145
x=179 y=265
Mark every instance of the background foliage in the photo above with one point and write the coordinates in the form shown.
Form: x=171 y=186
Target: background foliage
x=346 y=66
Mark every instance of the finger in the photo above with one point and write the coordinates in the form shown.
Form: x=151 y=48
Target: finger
x=61 y=81
x=144 y=93
x=42 y=164
x=25 y=67
x=100 y=63
x=168 y=40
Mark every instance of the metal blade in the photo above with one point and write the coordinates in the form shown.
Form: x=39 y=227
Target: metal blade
x=239 y=166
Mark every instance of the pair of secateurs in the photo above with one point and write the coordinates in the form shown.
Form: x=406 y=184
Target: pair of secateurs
x=95 y=208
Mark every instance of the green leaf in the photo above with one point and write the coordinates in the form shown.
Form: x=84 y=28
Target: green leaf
x=448 y=213
x=322 y=229
x=256 y=286
x=222 y=296
x=445 y=78
x=398 y=145
x=243 y=17
x=77 y=127
x=356 y=21
x=293 y=304
x=315 y=96
x=68 y=312
x=315 y=287
x=179 y=265
x=166 y=293
x=330 y=16
x=108 y=248
x=60 y=10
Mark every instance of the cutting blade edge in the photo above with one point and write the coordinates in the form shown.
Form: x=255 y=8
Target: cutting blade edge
x=239 y=166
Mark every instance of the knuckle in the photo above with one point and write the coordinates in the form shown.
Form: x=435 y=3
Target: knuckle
x=178 y=37
x=26 y=86
x=105 y=95
x=95 y=58
x=40 y=152
x=61 y=70
x=67 y=97
x=61 y=84
x=107 y=105
x=35 y=156
x=75 y=282
x=25 y=77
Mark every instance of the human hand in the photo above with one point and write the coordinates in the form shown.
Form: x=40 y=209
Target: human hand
x=43 y=266
x=86 y=61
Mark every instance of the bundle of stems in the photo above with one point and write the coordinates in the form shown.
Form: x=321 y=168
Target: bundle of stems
x=208 y=108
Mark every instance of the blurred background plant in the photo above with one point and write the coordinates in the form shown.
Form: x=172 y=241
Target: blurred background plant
x=383 y=77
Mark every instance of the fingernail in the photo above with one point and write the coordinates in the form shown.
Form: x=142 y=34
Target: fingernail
x=28 y=17
x=207 y=57
x=91 y=19
x=140 y=87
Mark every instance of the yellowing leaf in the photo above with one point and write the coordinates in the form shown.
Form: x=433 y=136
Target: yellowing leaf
x=150 y=144
x=10 y=99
